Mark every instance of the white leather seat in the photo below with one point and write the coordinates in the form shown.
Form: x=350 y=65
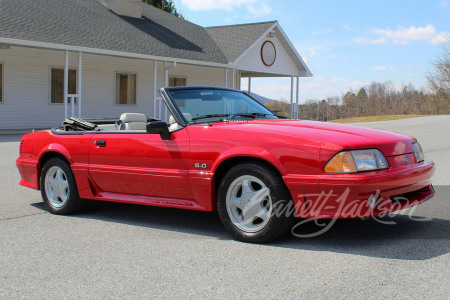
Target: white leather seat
x=106 y=127
x=134 y=121
x=173 y=125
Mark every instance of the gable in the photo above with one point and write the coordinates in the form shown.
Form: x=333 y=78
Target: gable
x=283 y=65
x=242 y=44
x=234 y=40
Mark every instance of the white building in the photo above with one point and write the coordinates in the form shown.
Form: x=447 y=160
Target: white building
x=97 y=59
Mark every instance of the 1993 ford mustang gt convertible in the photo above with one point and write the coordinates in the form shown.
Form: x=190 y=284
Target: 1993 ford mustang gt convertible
x=223 y=151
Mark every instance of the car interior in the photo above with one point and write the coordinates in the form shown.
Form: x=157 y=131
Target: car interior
x=126 y=122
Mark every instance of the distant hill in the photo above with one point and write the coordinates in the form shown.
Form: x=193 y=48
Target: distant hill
x=261 y=99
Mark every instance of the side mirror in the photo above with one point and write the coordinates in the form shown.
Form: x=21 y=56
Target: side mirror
x=159 y=127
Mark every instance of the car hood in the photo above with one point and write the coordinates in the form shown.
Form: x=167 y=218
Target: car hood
x=330 y=135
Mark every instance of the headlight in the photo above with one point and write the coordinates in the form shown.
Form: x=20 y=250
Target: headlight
x=357 y=161
x=418 y=152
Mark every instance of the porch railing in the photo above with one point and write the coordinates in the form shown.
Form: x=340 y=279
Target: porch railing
x=74 y=111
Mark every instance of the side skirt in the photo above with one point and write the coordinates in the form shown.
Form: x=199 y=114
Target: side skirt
x=151 y=201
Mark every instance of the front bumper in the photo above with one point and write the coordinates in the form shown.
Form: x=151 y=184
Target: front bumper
x=345 y=196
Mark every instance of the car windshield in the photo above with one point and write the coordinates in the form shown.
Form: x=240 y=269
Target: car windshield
x=211 y=105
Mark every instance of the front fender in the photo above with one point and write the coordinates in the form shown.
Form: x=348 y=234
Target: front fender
x=249 y=151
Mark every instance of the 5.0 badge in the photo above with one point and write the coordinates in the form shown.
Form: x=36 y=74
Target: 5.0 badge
x=200 y=166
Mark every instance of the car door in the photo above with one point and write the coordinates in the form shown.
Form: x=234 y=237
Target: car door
x=141 y=164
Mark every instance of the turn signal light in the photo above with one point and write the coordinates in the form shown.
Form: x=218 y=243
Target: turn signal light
x=341 y=163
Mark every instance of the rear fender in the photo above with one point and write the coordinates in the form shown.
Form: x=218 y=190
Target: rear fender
x=55 y=148
x=51 y=148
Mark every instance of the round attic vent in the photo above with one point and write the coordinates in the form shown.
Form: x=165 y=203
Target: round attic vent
x=268 y=53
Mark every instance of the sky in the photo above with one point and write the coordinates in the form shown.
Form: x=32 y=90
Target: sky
x=346 y=44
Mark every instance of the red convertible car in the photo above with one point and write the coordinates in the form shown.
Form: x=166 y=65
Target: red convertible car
x=223 y=151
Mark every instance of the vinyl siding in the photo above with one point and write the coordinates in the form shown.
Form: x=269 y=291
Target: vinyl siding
x=26 y=89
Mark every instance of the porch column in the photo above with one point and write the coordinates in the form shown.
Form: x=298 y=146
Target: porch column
x=166 y=76
x=226 y=78
x=166 y=73
x=233 y=78
x=166 y=83
x=80 y=71
x=249 y=85
x=296 y=100
x=66 y=83
x=155 y=82
x=292 y=97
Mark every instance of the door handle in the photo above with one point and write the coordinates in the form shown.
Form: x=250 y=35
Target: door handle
x=100 y=143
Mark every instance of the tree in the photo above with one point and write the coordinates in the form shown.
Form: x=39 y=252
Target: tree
x=349 y=98
x=335 y=109
x=439 y=81
x=280 y=107
x=362 y=95
x=351 y=101
x=165 y=5
x=439 y=78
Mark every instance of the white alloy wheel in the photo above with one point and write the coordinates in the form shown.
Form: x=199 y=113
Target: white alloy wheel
x=56 y=187
x=248 y=203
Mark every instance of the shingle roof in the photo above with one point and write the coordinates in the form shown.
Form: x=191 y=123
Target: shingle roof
x=235 y=39
x=88 y=23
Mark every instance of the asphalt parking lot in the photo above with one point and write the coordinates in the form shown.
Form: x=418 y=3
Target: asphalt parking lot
x=128 y=251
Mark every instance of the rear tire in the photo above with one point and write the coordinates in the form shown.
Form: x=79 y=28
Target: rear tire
x=58 y=188
x=248 y=198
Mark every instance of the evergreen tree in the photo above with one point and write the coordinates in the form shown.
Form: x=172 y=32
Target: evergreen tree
x=362 y=95
x=165 y=5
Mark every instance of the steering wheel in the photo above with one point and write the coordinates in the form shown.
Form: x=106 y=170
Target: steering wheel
x=120 y=125
x=233 y=117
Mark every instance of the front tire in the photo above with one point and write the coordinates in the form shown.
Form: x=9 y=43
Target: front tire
x=58 y=188
x=248 y=197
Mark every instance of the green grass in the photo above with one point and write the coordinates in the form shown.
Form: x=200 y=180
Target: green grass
x=375 y=118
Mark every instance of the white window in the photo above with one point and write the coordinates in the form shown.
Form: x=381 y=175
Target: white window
x=1 y=83
x=57 y=84
x=125 y=88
